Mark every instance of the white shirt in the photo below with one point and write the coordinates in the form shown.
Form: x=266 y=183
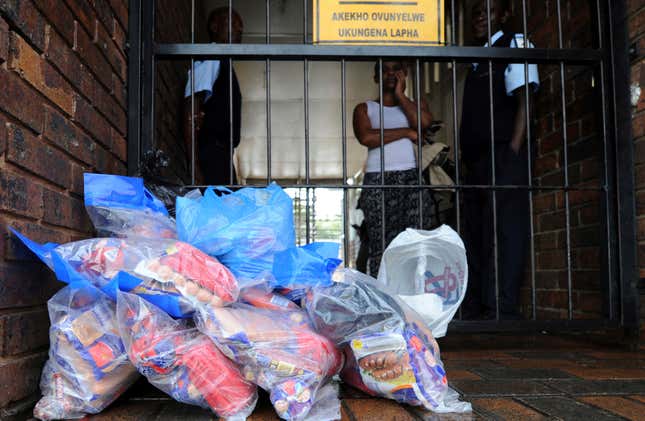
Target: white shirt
x=514 y=75
x=206 y=73
x=399 y=155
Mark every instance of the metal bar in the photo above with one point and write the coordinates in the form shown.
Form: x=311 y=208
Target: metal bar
x=627 y=239
x=267 y=75
x=231 y=118
x=419 y=140
x=148 y=81
x=608 y=240
x=382 y=146
x=455 y=133
x=529 y=149
x=481 y=326
x=134 y=87
x=192 y=95
x=268 y=116
x=565 y=168
x=290 y=52
x=343 y=111
x=230 y=21
x=306 y=111
x=327 y=185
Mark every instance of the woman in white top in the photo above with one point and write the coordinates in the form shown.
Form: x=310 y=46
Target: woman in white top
x=400 y=167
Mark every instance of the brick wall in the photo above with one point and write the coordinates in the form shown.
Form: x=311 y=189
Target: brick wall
x=62 y=112
x=636 y=17
x=584 y=168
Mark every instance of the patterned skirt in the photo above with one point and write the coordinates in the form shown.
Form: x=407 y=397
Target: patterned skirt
x=402 y=210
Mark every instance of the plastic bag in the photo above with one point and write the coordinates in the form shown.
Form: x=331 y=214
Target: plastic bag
x=306 y=266
x=429 y=271
x=181 y=361
x=244 y=229
x=389 y=351
x=277 y=350
x=122 y=207
x=88 y=367
x=262 y=297
x=174 y=275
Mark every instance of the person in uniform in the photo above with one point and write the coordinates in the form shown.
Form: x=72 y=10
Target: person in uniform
x=213 y=96
x=510 y=165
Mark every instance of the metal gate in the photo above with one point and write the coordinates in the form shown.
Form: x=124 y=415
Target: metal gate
x=608 y=61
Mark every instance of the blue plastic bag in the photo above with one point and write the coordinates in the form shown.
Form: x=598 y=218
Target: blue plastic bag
x=243 y=229
x=306 y=266
x=122 y=207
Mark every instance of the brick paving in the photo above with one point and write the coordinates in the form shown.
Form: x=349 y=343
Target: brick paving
x=505 y=378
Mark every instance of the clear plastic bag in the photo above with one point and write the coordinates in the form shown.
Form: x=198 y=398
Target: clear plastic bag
x=88 y=367
x=389 y=350
x=429 y=271
x=181 y=361
x=173 y=275
x=122 y=207
x=277 y=350
x=244 y=229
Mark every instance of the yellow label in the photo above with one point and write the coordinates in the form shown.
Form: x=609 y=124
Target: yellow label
x=357 y=344
x=379 y=22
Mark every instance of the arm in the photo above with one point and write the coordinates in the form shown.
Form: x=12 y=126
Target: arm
x=372 y=137
x=519 y=128
x=410 y=107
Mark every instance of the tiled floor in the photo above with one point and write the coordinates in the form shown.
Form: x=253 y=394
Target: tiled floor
x=504 y=377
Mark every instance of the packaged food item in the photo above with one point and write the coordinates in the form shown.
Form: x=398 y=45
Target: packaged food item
x=389 y=350
x=88 y=367
x=277 y=350
x=182 y=362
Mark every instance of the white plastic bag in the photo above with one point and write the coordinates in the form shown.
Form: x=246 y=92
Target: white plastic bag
x=429 y=272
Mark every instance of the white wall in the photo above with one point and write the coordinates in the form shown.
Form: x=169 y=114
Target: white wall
x=287 y=102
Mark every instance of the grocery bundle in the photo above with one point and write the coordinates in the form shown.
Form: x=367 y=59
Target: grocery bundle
x=221 y=300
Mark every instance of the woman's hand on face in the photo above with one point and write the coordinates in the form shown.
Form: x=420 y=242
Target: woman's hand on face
x=399 y=90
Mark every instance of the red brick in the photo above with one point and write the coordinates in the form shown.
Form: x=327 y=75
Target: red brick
x=586 y=258
x=40 y=74
x=25 y=285
x=120 y=8
x=590 y=302
x=19 y=377
x=31 y=153
x=65 y=211
x=20 y=100
x=63 y=57
x=108 y=106
x=68 y=137
x=89 y=85
x=24 y=15
x=60 y=17
x=3 y=135
x=89 y=119
x=552 y=299
x=103 y=12
x=92 y=56
x=119 y=91
x=4 y=40
x=15 y=249
x=119 y=146
x=547 y=163
x=110 y=51
x=77 y=186
x=84 y=13
x=119 y=36
x=554 y=259
x=20 y=195
x=23 y=331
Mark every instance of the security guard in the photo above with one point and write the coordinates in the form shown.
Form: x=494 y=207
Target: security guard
x=511 y=168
